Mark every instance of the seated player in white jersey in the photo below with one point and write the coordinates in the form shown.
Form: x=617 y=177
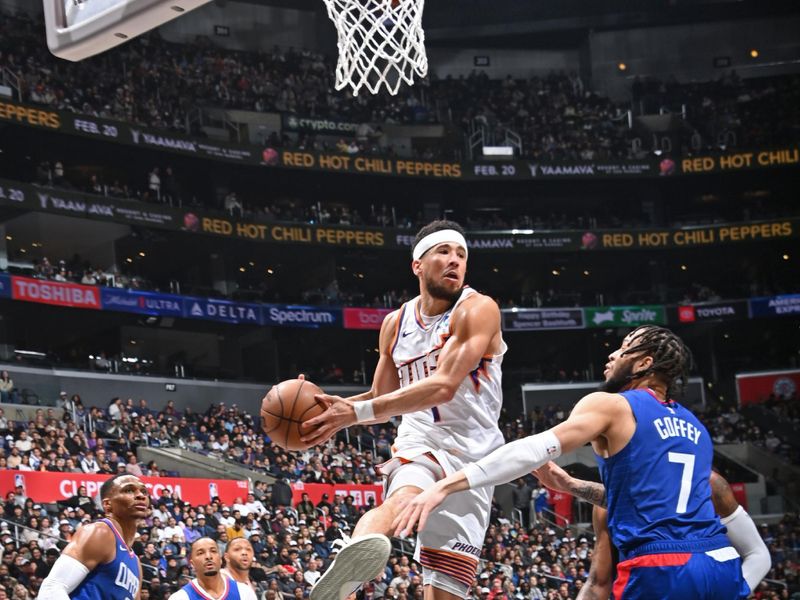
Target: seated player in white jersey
x=439 y=367
x=742 y=530
x=98 y=564
x=655 y=460
x=211 y=583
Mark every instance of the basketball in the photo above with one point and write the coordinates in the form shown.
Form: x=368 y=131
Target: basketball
x=284 y=409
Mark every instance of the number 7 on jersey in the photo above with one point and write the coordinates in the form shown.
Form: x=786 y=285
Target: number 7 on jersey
x=687 y=460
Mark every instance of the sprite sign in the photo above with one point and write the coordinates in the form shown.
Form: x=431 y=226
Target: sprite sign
x=625 y=316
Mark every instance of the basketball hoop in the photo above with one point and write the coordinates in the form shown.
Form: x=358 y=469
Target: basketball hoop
x=381 y=43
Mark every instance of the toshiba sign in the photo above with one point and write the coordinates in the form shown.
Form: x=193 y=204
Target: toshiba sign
x=55 y=292
x=364 y=318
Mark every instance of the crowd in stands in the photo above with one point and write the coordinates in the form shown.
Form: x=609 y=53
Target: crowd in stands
x=79 y=270
x=293 y=541
x=556 y=117
x=156 y=83
x=529 y=289
x=733 y=427
x=727 y=112
x=772 y=425
x=163 y=185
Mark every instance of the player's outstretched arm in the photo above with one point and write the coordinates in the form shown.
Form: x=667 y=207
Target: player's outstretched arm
x=475 y=325
x=93 y=544
x=590 y=418
x=556 y=478
x=601 y=572
x=742 y=531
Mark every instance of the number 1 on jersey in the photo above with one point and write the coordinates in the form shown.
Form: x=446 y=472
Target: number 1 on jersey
x=687 y=460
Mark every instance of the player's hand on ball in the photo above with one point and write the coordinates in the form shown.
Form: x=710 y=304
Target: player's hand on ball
x=338 y=415
x=417 y=510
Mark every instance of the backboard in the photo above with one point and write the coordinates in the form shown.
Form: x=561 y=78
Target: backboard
x=78 y=29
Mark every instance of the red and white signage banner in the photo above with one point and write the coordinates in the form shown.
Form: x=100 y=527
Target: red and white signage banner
x=360 y=493
x=753 y=388
x=45 y=486
x=55 y=292
x=364 y=318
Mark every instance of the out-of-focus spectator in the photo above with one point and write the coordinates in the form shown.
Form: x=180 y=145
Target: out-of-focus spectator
x=7 y=391
x=154 y=183
x=233 y=205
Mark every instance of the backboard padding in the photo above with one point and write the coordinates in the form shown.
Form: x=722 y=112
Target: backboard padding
x=78 y=29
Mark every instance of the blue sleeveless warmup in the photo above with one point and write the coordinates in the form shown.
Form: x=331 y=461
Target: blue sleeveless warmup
x=660 y=516
x=115 y=580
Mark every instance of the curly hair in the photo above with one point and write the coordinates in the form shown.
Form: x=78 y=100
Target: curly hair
x=672 y=359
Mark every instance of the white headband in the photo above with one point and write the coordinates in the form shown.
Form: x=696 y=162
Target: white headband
x=439 y=237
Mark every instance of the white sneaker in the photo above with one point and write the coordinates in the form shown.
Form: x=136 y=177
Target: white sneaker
x=358 y=562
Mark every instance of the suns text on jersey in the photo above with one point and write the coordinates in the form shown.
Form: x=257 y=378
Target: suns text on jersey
x=418 y=368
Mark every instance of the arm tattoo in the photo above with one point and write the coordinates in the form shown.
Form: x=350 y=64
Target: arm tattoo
x=594 y=493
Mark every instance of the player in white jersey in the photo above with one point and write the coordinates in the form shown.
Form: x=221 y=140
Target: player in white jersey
x=439 y=367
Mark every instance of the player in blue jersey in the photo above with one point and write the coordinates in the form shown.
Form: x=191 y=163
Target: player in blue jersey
x=98 y=564
x=655 y=460
x=742 y=530
x=211 y=583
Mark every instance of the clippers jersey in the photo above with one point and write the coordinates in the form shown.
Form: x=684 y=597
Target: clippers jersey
x=659 y=497
x=233 y=591
x=116 y=580
x=466 y=426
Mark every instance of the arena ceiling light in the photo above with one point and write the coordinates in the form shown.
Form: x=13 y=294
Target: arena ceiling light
x=78 y=29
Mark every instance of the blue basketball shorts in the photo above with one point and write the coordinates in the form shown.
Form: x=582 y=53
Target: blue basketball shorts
x=713 y=575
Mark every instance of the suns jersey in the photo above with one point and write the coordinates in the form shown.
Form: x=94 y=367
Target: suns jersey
x=233 y=591
x=115 y=580
x=466 y=426
x=659 y=496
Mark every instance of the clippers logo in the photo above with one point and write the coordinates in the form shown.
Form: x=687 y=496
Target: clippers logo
x=126 y=578
x=784 y=387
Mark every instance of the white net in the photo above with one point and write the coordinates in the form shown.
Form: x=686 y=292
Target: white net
x=381 y=43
